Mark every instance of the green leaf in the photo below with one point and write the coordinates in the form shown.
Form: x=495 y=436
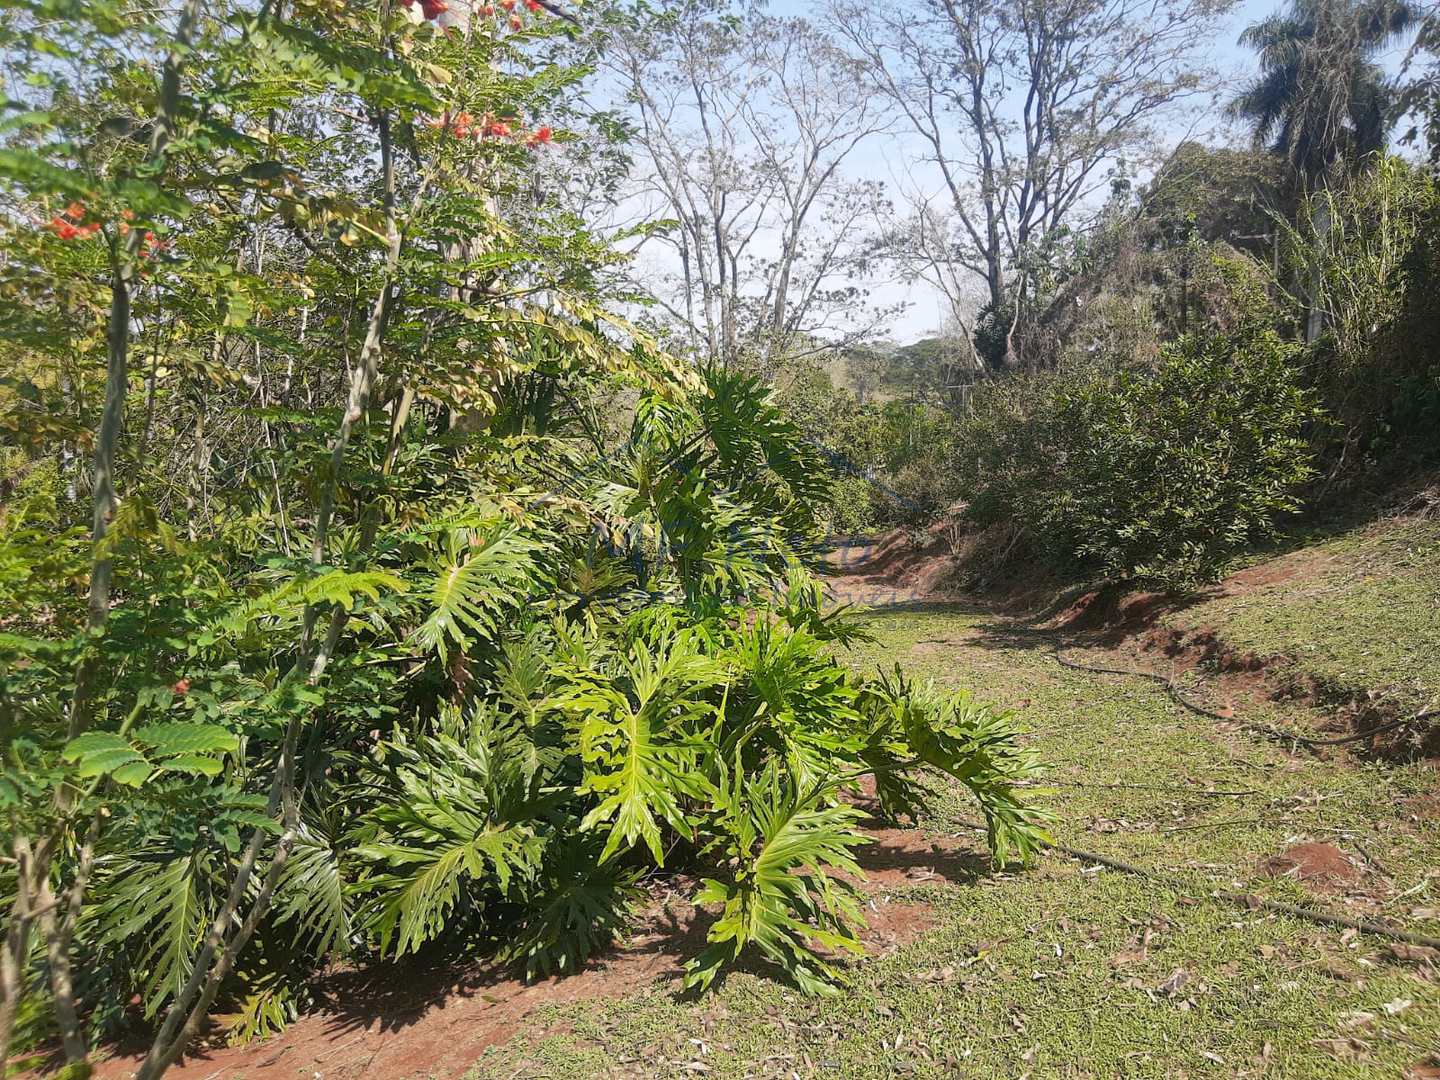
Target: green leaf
x=194 y=764
x=188 y=739
x=486 y=571
x=100 y=753
x=133 y=774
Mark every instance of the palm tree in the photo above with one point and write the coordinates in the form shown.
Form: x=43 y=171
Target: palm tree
x=1320 y=99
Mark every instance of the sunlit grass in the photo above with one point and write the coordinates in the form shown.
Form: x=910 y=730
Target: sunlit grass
x=1042 y=972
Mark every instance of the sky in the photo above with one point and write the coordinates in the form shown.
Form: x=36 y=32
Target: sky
x=925 y=314
x=885 y=160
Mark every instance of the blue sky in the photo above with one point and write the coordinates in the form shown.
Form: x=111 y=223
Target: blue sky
x=892 y=161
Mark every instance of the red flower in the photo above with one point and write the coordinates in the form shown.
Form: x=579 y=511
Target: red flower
x=182 y=686
x=75 y=211
x=508 y=5
x=497 y=128
x=535 y=6
x=433 y=9
x=91 y=229
x=516 y=22
x=63 y=228
x=540 y=136
x=488 y=10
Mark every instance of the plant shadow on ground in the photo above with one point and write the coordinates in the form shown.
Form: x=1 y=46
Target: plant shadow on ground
x=1071 y=971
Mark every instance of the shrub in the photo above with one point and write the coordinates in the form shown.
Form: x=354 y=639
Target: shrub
x=852 y=507
x=1171 y=473
x=1157 y=476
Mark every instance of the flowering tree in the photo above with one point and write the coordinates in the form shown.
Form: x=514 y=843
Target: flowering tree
x=341 y=615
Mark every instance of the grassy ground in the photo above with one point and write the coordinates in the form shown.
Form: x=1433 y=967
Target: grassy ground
x=1067 y=971
x=1362 y=612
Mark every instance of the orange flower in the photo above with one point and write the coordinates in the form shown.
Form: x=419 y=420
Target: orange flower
x=75 y=211
x=63 y=228
x=541 y=136
x=182 y=686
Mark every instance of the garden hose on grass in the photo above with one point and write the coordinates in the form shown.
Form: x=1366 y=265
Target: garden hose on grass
x=1247 y=900
x=1260 y=729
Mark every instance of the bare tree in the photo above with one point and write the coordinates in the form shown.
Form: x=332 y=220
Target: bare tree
x=1025 y=109
x=745 y=121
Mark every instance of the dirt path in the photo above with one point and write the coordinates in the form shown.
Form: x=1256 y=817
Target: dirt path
x=434 y=1019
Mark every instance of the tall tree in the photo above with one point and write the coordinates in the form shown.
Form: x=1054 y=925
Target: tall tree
x=1321 y=100
x=745 y=122
x=1025 y=109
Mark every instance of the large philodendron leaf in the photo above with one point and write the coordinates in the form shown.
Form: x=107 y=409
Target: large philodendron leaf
x=785 y=846
x=483 y=572
x=159 y=906
x=972 y=743
x=311 y=893
x=579 y=905
x=464 y=820
x=642 y=754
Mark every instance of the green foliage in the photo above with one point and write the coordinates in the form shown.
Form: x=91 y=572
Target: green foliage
x=1365 y=256
x=784 y=844
x=437 y=605
x=1157 y=476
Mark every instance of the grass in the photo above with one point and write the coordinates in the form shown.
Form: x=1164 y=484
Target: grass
x=1361 y=616
x=1065 y=971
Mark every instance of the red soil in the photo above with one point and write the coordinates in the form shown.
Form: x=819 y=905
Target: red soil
x=1313 y=863
x=415 y=1020
x=896 y=568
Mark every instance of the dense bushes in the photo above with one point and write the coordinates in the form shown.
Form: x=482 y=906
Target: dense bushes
x=1153 y=474
x=1367 y=254
x=889 y=460
x=366 y=583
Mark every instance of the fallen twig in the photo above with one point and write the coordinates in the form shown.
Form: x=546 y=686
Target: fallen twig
x=1176 y=789
x=1212 y=825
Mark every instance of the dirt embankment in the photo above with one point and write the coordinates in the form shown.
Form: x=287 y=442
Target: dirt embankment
x=1149 y=631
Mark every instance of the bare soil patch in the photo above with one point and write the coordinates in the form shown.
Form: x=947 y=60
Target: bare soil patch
x=1313 y=863
x=897 y=567
x=417 y=1020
